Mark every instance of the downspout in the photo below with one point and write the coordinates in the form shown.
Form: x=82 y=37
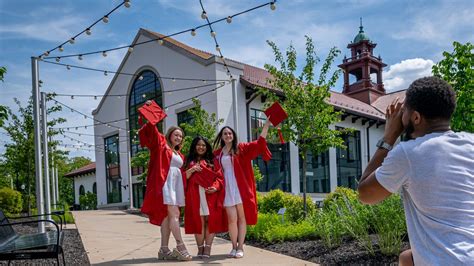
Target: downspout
x=247 y=109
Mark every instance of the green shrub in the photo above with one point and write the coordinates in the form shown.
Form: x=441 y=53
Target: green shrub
x=335 y=197
x=10 y=201
x=290 y=232
x=259 y=201
x=354 y=217
x=389 y=224
x=88 y=201
x=257 y=174
x=328 y=226
x=265 y=222
x=294 y=207
x=272 y=201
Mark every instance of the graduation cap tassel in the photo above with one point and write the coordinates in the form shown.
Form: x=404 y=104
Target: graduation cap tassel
x=282 y=141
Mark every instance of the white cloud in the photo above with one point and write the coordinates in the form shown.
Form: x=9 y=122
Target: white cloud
x=400 y=75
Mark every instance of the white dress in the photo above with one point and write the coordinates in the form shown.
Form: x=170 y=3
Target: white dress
x=232 y=193
x=173 y=190
x=203 y=209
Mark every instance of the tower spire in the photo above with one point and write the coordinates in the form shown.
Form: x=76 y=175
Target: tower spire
x=361 y=28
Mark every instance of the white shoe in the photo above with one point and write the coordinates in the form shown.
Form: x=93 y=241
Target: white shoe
x=239 y=254
x=232 y=253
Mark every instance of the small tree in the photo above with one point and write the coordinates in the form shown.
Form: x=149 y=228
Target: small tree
x=309 y=115
x=202 y=124
x=457 y=68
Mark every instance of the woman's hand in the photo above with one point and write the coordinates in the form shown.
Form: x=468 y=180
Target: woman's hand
x=211 y=190
x=265 y=128
x=196 y=168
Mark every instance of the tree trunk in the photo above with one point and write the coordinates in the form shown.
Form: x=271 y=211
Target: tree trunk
x=303 y=156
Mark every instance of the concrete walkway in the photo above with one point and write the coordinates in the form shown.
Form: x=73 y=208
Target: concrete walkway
x=118 y=238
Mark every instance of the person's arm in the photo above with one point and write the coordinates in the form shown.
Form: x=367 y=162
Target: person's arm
x=370 y=190
x=258 y=147
x=192 y=170
x=265 y=129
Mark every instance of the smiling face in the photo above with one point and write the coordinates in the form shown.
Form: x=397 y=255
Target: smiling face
x=201 y=148
x=176 y=137
x=227 y=136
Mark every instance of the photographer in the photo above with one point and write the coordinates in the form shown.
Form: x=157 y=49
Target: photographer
x=433 y=171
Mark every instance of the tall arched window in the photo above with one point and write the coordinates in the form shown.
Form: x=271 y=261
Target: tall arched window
x=94 y=188
x=82 y=191
x=146 y=86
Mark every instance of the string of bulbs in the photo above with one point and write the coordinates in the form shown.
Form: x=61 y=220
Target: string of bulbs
x=131 y=46
x=213 y=35
x=69 y=67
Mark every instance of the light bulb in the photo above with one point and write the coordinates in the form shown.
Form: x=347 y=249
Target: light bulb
x=160 y=41
x=272 y=6
x=218 y=48
x=213 y=33
x=104 y=54
x=72 y=97
x=46 y=53
x=61 y=48
x=105 y=73
x=130 y=49
x=68 y=67
x=95 y=97
x=105 y=19
x=72 y=40
x=127 y=3
x=204 y=15
x=58 y=59
x=79 y=57
x=140 y=78
x=174 y=80
x=144 y=95
x=229 y=19
x=88 y=31
x=193 y=32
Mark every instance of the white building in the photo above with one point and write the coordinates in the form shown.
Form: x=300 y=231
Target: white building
x=84 y=180
x=154 y=66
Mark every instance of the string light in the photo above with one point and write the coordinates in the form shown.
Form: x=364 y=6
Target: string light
x=61 y=48
x=193 y=33
x=46 y=53
x=88 y=31
x=68 y=67
x=105 y=19
x=204 y=15
x=72 y=40
x=160 y=41
x=58 y=58
x=105 y=73
x=140 y=78
x=228 y=19
x=79 y=57
x=213 y=33
x=272 y=6
x=127 y=3
x=104 y=54
x=130 y=49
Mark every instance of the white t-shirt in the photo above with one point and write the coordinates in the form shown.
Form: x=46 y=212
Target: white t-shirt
x=435 y=176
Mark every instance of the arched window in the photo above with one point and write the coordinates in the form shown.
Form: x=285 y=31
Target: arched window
x=146 y=86
x=82 y=191
x=94 y=188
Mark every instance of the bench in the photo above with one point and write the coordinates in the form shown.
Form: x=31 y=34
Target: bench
x=14 y=246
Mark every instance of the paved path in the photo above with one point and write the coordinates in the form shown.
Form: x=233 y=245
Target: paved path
x=118 y=238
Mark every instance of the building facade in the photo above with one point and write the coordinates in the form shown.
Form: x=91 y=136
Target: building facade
x=84 y=180
x=172 y=73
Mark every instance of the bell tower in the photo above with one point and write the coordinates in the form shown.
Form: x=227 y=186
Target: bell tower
x=362 y=70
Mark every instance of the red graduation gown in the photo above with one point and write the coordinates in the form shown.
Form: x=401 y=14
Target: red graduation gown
x=217 y=221
x=244 y=173
x=158 y=168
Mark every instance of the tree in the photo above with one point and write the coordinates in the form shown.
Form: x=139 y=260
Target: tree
x=309 y=115
x=457 y=68
x=3 y=109
x=19 y=157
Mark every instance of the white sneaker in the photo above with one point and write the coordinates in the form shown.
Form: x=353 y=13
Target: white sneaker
x=232 y=253
x=239 y=254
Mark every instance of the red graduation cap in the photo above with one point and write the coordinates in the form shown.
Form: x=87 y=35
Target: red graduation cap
x=152 y=112
x=276 y=114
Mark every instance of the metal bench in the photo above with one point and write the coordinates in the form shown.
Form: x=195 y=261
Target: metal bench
x=47 y=245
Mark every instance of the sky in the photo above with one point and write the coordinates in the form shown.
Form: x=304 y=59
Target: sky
x=411 y=36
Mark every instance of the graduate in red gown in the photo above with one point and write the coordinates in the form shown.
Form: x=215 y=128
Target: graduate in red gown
x=240 y=201
x=204 y=214
x=165 y=185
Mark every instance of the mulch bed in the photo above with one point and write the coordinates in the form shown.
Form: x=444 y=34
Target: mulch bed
x=348 y=253
x=74 y=251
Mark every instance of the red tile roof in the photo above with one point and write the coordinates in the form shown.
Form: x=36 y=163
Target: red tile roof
x=90 y=168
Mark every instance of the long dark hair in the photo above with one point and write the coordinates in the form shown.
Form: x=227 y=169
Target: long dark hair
x=193 y=156
x=219 y=142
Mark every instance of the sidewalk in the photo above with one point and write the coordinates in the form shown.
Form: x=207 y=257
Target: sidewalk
x=118 y=238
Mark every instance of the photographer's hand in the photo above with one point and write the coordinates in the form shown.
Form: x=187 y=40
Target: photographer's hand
x=393 y=125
